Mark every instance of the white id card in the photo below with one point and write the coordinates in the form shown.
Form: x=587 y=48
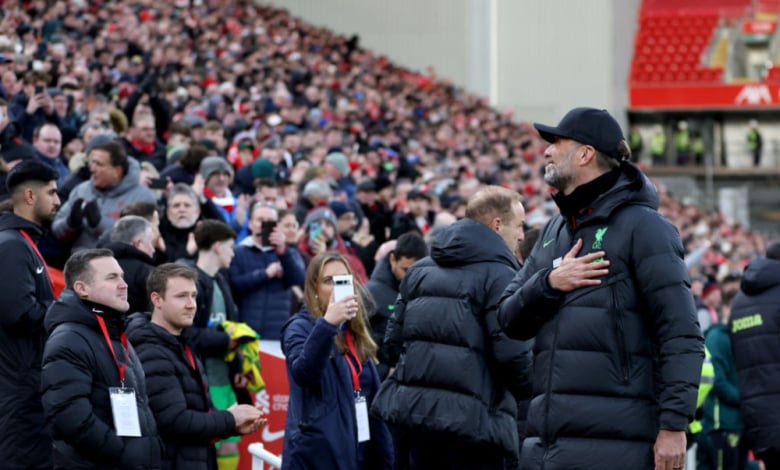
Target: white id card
x=125 y=411
x=361 y=413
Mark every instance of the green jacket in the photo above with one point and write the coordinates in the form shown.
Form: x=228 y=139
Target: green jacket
x=721 y=408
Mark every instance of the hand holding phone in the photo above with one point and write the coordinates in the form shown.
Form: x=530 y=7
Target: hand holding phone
x=315 y=231
x=343 y=287
x=267 y=228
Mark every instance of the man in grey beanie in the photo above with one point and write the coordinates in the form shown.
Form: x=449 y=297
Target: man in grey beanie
x=217 y=176
x=337 y=168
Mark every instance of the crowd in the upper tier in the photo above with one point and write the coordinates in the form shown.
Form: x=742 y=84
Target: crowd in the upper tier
x=280 y=101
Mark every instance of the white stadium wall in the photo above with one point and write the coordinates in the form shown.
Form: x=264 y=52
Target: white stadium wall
x=538 y=58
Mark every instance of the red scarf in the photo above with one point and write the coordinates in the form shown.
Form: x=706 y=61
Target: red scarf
x=146 y=149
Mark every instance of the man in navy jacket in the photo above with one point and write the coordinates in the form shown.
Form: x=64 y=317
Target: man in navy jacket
x=263 y=272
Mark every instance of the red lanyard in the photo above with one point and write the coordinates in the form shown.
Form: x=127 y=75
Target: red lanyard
x=123 y=338
x=190 y=357
x=352 y=352
x=35 y=248
x=194 y=365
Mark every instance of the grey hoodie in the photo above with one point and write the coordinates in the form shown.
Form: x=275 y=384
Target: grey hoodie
x=111 y=200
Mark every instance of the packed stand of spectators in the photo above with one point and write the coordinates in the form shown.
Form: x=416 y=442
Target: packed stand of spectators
x=280 y=103
x=300 y=140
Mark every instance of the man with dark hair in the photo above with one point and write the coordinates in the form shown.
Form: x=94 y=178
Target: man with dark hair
x=25 y=295
x=175 y=376
x=132 y=242
x=453 y=394
x=94 y=390
x=215 y=241
x=383 y=287
x=755 y=340
x=93 y=206
x=618 y=351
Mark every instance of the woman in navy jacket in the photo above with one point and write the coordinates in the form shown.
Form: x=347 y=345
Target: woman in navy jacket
x=331 y=369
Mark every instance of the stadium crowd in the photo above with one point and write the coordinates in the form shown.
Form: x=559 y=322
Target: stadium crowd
x=157 y=116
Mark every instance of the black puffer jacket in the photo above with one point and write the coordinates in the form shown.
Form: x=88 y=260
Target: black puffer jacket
x=25 y=294
x=384 y=290
x=455 y=378
x=755 y=340
x=78 y=369
x=613 y=363
x=179 y=398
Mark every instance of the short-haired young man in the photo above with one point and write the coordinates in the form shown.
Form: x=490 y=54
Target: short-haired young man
x=25 y=294
x=175 y=376
x=215 y=240
x=384 y=283
x=94 y=390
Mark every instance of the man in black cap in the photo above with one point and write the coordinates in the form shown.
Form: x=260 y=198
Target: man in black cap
x=606 y=294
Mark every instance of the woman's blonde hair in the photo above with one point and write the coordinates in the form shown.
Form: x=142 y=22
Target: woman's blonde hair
x=364 y=343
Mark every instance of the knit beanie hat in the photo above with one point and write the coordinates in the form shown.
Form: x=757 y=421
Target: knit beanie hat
x=339 y=160
x=99 y=139
x=213 y=164
x=340 y=207
x=263 y=168
x=320 y=213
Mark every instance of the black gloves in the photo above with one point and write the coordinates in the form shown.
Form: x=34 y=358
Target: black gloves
x=92 y=213
x=80 y=211
x=76 y=214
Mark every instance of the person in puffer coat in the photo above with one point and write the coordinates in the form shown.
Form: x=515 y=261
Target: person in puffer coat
x=453 y=396
x=605 y=292
x=176 y=378
x=86 y=354
x=755 y=340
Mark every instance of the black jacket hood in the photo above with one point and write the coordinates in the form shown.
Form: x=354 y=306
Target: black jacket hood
x=11 y=221
x=383 y=274
x=760 y=275
x=69 y=308
x=467 y=242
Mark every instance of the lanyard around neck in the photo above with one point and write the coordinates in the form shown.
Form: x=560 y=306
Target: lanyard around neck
x=123 y=338
x=352 y=352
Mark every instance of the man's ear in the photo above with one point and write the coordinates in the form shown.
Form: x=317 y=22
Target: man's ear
x=495 y=224
x=156 y=299
x=80 y=288
x=391 y=258
x=588 y=155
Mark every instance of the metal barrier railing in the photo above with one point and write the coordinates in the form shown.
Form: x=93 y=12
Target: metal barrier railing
x=261 y=457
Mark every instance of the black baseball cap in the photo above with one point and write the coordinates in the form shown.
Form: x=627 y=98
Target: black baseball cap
x=590 y=126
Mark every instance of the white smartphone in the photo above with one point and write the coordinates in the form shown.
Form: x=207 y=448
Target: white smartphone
x=342 y=287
